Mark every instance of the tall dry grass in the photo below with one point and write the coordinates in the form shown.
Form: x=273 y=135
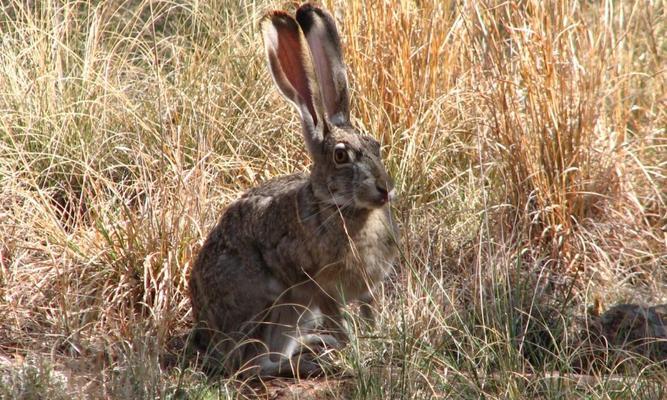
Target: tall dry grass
x=527 y=140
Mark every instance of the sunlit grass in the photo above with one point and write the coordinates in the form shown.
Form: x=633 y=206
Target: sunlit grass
x=527 y=141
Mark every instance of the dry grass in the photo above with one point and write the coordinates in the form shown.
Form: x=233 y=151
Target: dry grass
x=527 y=140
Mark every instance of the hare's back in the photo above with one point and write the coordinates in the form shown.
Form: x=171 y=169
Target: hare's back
x=279 y=187
x=262 y=217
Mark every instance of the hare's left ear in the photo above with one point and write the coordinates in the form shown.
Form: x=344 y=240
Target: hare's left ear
x=324 y=42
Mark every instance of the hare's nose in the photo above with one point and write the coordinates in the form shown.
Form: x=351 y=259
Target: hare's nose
x=383 y=191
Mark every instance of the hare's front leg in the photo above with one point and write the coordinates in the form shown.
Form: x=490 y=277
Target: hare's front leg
x=366 y=309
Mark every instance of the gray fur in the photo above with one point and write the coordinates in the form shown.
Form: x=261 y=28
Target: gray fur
x=269 y=282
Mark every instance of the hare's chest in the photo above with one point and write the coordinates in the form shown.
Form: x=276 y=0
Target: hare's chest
x=368 y=259
x=375 y=247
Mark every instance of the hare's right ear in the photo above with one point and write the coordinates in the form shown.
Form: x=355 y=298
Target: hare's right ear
x=291 y=66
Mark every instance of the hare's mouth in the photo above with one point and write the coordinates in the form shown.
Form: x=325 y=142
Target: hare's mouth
x=378 y=199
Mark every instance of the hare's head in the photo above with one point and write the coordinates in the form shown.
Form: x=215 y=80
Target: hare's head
x=306 y=62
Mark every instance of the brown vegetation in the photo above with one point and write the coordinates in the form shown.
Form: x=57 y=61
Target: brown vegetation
x=527 y=140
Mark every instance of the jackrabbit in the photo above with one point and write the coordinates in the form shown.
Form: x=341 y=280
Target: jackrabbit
x=268 y=285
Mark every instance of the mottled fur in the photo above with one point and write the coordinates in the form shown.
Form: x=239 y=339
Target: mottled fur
x=271 y=278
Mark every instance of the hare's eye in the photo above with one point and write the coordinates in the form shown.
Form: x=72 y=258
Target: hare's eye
x=341 y=156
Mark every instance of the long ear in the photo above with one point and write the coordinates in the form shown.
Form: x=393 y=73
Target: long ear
x=291 y=66
x=324 y=42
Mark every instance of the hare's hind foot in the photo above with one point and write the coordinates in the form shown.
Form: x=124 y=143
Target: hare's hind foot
x=301 y=358
x=299 y=366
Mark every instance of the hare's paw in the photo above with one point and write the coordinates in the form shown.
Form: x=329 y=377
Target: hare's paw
x=302 y=365
x=316 y=343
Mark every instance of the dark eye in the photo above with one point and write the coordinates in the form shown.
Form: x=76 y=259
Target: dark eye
x=341 y=156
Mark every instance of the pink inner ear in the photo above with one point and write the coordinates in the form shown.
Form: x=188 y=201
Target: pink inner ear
x=292 y=61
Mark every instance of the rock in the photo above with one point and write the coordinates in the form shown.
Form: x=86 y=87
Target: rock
x=622 y=333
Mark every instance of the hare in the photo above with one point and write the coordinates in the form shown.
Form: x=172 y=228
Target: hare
x=269 y=282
